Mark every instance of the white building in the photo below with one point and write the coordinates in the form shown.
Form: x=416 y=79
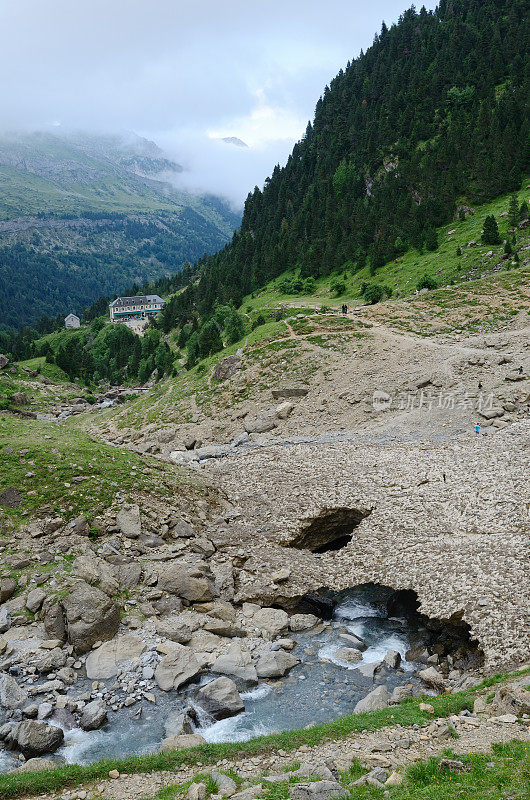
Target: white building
x=128 y=308
x=72 y=321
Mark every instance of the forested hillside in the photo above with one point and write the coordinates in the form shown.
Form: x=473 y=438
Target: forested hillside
x=432 y=117
x=82 y=217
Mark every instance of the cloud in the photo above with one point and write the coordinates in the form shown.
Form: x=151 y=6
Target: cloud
x=183 y=72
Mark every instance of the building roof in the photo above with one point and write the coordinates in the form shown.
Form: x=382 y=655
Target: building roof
x=136 y=301
x=71 y=316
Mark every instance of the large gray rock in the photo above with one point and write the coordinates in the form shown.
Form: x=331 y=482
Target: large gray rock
x=4 y=361
x=433 y=678
x=128 y=521
x=54 y=622
x=34 y=738
x=177 y=724
x=187 y=581
x=182 y=742
x=220 y=698
x=348 y=654
x=35 y=599
x=377 y=699
x=236 y=662
x=275 y=664
x=91 y=616
x=270 y=621
x=36 y=765
x=11 y=694
x=5 y=619
x=226 y=367
x=94 y=715
x=103 y=663
x=7 y=588
x=175 y=629
x=261 y=424
x=176 y=668
x=303 y=622
x=50 y=660
x=318 y=790
x=226 y=786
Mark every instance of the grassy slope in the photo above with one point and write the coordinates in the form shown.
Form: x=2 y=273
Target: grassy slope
x=402 y=274
x=406 y=714
x=43 y=460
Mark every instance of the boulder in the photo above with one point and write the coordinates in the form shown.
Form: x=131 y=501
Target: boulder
x=36 y=765
x=377 y=699
x=4 y=361
x=34 y=738
x=5 y=620
x=220 y=698
x=186 y=581
x=236 y=662
x=392 y=659
x=303 y=622
x=433 y=678
x=94 y=570
x=275 y=664
x=103 y=663
x=94 y=715
x=226 y=786
x=182 y=742
x=54 y=622
x=177 y=724
x=50 y=660
x=11 y=694
x=284 y=410
x=176 y=668
x=261 y=424
x=7 y=589
x=91 y=616
x=270 y=621
x=174 y=629
x=128 y=521
x=35 y=599
x=348 y=654
x=226 y=367
x=514 y=700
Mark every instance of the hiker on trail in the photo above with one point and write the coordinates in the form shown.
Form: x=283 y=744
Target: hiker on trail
x=520 y=370
x=480 y=384
x=346 y=310
x=477 y=428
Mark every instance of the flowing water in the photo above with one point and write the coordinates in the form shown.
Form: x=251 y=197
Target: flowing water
x=321 y=688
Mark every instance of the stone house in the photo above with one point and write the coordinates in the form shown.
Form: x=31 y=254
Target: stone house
x=72 y=321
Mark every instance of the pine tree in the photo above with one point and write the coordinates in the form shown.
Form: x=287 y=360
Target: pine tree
x=513 y=211
x=490 y=231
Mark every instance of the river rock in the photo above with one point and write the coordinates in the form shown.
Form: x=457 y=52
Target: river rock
x=236 y=662
x=377 y=699
x=91 y=616
x=103 y=663
x=177 y=724
x=11 y=694
x=318 y=790
x=176 y=668
x=187 y=581
x=54 y=622
x=128 y=521
x=302 y=622
x=175 y=629
x=94 y=715
x=182 y=742
x=220 y=698
x=270 y=621
x=260 y=424
x=392 y=659
x=349 y=654
x=36 y=765
x=34 y=738
x=275 y=664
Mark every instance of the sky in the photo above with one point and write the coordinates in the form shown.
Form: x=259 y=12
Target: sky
x=184 y=73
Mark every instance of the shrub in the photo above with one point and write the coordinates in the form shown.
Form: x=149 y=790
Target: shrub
x=426 y=282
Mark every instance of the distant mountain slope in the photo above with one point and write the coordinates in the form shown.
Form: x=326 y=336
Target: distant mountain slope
x=83 y=216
